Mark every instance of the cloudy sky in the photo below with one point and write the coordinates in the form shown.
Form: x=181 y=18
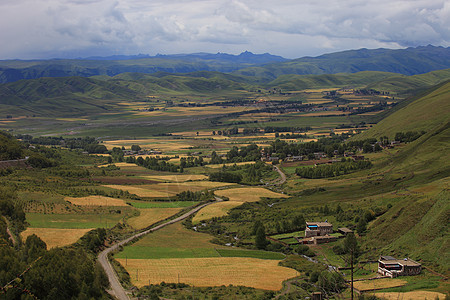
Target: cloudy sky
x=290 y=28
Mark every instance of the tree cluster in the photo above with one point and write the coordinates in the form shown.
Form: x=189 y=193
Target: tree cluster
x=333 y=170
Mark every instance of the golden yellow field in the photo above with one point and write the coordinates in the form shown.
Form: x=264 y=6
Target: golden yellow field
x=415 y=295
x=212 y=271
x=214 y=210
x=140 y=190
x=150 y=216
x=56 y=237
x=71 y=119
x=96 y=201
x=382 y=283
x=176 y=178
x=248 y=194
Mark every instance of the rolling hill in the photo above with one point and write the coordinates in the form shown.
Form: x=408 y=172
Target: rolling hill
x=417 y=224
x=261 y=67
x=408 y=61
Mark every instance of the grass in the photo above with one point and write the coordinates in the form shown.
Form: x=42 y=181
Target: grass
x=149 y=216
x=145 y=252
x=73 y=221
x=56 y=237
x=290 y=234
x=210 y=271
x=250 y=253
x=176 y=178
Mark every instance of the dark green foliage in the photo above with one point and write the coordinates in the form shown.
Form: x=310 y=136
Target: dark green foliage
x=260 y=238
x=333 y=170
x=65 y=274
x=10 y=148
x=200 y=196
x=246 y=153
x=10 y=207
x=153 y=163
x=409 y=136
x=135 y=147
x=34 y=248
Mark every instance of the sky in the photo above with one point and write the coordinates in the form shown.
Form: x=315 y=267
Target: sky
x=39 y=29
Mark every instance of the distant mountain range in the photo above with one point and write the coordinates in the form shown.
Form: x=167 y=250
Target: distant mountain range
x=262 y=67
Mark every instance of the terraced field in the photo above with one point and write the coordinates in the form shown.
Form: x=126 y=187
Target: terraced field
x=56 y=237
x=237 y=197
x=176 y=254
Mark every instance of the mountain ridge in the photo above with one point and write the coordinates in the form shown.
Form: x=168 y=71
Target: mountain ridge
x=266 y=67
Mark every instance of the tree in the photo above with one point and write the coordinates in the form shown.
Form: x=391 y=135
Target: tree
x=361 y=226
x=260 y=238
x=135 y=148
x=351 y=250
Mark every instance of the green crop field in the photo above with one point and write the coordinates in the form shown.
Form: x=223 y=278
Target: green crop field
x=67 y=221
x=250 y=253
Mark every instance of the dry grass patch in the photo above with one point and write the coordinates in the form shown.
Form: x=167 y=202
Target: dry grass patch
x=211 y=271
x=414 y=295
x=150 y=216
x=141 y=190
x=383 y=283
x=248 y=194
x=214 y=210
x=96 y=201
x=56 y=237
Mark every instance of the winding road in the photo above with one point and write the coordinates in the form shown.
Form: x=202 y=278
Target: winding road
x=116 y=288
x=282 y=175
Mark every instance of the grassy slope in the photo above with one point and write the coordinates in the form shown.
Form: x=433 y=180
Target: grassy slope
x=425 y=113
x=417 y=224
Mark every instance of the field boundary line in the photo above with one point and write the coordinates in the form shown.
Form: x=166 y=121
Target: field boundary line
x=117 y=289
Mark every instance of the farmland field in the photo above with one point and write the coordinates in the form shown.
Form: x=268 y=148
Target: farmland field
x=72 y=221
x=412 y=295
x=383 y=283
x=56 y=237
x=211 y=271
x=162 y=204
x=150 y=216
x=96 y=201
x=214 y=210
x=176 y=178
x=249 y=194
x=237 y=197
x=165 y=190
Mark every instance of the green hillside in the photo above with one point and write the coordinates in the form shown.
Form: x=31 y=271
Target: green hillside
x=402 y=84
x=300 y=82
x=423 y=113
x=408 y=61
x=417 y=224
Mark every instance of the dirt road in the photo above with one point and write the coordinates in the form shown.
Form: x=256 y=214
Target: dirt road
x=116 y=288
x=282 y=175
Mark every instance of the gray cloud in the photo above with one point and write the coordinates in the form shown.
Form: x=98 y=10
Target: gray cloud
x=292 y=28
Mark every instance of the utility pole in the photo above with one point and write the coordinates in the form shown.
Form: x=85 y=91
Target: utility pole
x=351 y=267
